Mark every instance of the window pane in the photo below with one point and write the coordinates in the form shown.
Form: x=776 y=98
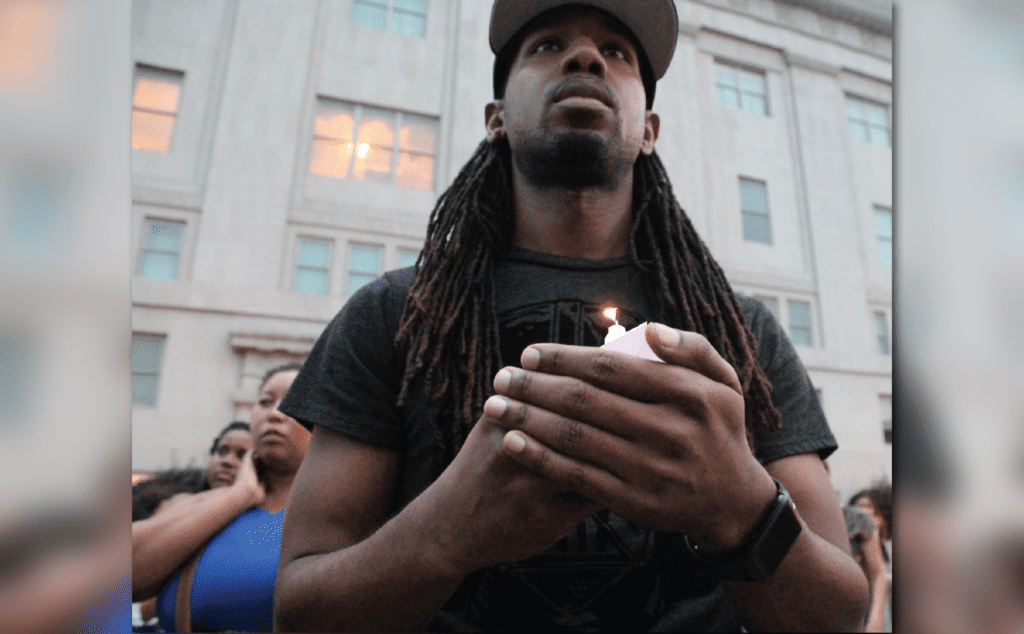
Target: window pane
x=407 y=258
x=364 y=259
x=418 y=134
x=151 y=131
x=725 y=77
x=369 y=15
x=754 y=105
x=727 y=97
x=416 y=171
x=408 y=24
x=315 y=253
x=373 y=145
x=335 y=121
x=756 y=229
x=799 y=314
x=164 y=235
x=753 y=83
x=800 y=335
x=753 y=196
x=879 y=137
x=858 y=130
x=147 y=351
x=357 y=281
x=771 y=304
x=144 y=388
x=412 y=6
x=885 y=252
x=878 y=116
x=330 y=158
x=854 y=111
x=156 y=93
x=311 y=281
x=882 y=331
x=883 y=223
x=161 y=266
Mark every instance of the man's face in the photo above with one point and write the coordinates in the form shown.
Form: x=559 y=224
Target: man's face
x=575 y=96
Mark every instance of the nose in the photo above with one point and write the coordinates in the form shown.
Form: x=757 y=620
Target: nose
x=583 y=56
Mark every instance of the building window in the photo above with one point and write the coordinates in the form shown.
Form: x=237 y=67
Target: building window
x=161 y=249
x=771 y=303
x=359 y=141
x=363 y=266
x=800 y=323
x=754 y=206
x=869 y=121
x=885 y=404
x=147 y=351
x=882 y=332
x=405 y=17
x=154 y=107
x=313 y=270
x=883 y=235
x=407 y=257
x=740 y=88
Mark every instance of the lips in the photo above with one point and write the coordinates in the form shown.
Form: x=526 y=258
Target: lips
x=272 y=434
x=580 y=87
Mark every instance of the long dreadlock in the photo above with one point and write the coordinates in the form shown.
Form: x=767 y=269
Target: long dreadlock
x=449 y=329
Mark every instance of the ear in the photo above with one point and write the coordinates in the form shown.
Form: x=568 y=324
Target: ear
x=651 y=126
x=494 y=120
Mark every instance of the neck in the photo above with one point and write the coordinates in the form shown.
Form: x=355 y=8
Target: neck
x=278 y=486
x=590 y=222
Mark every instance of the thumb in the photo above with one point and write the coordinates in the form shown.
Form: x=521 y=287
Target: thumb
x=693 y=351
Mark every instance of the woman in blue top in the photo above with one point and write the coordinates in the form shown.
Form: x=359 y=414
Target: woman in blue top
x=235 y=532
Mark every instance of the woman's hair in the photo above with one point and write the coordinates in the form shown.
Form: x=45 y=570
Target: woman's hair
x=287 y=367
x=448 y=332
x=236 y=425
x=148 y=494
x=881 y=497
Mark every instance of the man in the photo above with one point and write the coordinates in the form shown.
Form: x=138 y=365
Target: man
x=594 y=490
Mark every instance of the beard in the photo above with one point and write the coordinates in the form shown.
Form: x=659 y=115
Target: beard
x=570 y=160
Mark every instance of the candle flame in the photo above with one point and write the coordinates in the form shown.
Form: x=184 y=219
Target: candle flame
x=612 y=313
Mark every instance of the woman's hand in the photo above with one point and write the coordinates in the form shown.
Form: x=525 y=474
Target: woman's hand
x=248 y=482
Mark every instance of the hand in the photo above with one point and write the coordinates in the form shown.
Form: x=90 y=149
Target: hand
x=661 y=444
x=872 y=561
x=248 y=482
x=490 y=510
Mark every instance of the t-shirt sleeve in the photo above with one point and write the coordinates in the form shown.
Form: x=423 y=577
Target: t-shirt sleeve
x=804 y=428
x=349 y=382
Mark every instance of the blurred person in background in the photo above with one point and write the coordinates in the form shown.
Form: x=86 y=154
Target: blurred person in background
x=159 y=491
x=211 y=557
x=869 y=524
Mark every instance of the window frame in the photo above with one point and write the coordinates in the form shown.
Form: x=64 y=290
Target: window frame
x=879 y=239
x=882 y=320
x=810 y=321
x=140 y=258
x=162 y=337
x=738 y=70
x=397 y=121
x=389 y=11
x=866 y=102
x=381 y=252
x=154 y=72
x=297 y=265
x=767 y=214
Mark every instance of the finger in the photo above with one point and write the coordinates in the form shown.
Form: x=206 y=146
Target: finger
x=565 y=435
x=584 y=478
x=691 y=350
x=625 y=415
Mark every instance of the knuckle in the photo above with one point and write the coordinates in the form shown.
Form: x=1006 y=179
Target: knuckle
x=577 y=396
x=604 y=367
x=574 y=475
x=571 y=433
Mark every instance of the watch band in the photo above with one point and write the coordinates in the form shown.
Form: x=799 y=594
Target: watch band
x=764 y=549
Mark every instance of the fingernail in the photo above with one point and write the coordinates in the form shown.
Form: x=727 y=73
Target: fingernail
x=530 y=358
x=515 y=442
x=495 y=406
x=502 y=379
x=669 y=337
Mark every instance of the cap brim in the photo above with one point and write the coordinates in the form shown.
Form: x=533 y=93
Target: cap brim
x=654 y=22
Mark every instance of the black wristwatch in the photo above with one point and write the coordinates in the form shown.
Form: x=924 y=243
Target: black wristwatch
x=764 y=549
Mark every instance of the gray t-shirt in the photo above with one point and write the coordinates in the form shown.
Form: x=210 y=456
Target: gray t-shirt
x=608 y=574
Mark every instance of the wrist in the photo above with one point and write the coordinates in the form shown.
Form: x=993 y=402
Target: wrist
x=734 y=530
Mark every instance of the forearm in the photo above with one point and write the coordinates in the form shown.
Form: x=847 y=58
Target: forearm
x=164 y=542
x=879 y=596
x=817 y=588
x=391 y=581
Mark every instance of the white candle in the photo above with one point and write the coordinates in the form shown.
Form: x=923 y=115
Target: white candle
x=615 y=330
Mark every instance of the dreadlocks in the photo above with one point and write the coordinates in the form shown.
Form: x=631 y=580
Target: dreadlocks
x=449 y=329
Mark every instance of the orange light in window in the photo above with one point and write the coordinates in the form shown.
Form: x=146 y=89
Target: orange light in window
x=28 y=35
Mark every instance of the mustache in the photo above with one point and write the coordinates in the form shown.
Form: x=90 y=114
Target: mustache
x=578 y=86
